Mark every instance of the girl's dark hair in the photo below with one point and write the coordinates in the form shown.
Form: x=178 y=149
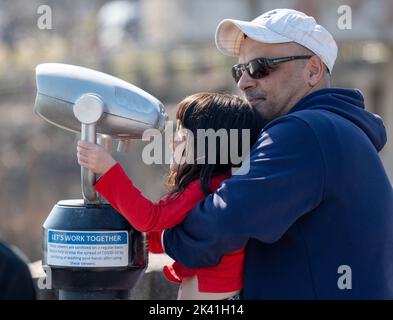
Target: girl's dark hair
x=212 y=111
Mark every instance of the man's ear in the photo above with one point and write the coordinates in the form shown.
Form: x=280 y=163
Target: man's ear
x=315 y=70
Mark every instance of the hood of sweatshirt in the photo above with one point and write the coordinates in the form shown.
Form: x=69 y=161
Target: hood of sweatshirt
x=349 y=104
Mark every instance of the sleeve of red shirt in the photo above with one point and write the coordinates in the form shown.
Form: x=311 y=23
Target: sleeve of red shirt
x=144 y=215
x=154 y=241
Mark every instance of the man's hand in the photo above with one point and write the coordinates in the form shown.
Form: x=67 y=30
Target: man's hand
x=94 y=157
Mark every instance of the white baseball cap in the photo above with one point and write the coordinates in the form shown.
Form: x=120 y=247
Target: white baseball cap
x=278 y=26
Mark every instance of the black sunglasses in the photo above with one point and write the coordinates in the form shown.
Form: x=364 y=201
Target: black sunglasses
x=260 y=67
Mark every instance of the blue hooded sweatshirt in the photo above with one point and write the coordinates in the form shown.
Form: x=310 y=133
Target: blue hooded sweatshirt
x=314 y=212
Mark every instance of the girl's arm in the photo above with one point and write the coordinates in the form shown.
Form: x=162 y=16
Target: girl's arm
x=120 y=192
x=144 y=215
x=154 y=241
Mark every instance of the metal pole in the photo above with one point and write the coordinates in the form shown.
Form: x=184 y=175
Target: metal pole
x=88 y=178
x=88 y=109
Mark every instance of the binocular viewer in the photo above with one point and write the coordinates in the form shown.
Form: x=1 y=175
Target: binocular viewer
x=97 y=105
x=92 y=252
x=127 y=111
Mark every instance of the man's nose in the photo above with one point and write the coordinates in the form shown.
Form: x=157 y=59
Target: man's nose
x=246 y=82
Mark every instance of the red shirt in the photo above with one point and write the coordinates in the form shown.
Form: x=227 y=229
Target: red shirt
x=146 y=216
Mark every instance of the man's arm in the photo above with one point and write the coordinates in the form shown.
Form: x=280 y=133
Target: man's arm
x=285 y=181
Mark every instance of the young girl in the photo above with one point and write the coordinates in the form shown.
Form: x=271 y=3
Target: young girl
x=188 y=183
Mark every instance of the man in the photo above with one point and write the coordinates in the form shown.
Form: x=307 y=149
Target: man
x=315 y=210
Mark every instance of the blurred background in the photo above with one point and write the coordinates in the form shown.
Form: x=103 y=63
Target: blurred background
x=166 y=48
